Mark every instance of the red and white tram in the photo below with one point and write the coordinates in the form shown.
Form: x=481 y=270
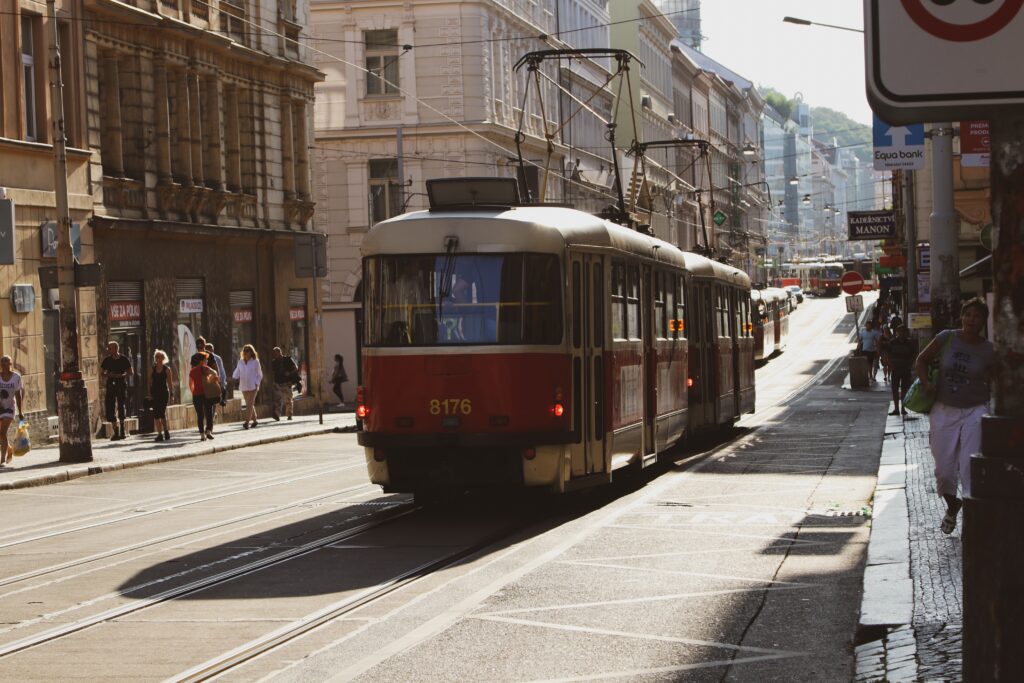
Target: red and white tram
x=771 y=321
x=538 y=345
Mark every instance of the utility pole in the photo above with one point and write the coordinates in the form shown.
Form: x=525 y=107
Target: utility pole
x=945 y=233
x=993 y=646
x=910 y=228
x=72 y=397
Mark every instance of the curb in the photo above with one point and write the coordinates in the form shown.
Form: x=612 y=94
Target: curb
x=85 y=470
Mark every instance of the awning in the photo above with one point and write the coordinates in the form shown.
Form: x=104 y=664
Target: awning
x=982 y=268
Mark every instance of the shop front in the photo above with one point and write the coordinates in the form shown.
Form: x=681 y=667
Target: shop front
x=124 y=316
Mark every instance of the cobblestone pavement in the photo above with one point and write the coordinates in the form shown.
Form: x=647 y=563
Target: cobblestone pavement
x=929 y=649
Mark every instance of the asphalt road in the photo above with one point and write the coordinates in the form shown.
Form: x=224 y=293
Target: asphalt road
x=740 y=560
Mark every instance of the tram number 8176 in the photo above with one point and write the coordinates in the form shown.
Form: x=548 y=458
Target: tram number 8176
x=450 y=406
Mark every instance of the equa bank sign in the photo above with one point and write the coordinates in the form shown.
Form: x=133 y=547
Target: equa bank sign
x=898 y=148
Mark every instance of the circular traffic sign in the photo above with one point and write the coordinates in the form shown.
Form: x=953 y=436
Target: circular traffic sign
x=852 y=282
x=962 y=33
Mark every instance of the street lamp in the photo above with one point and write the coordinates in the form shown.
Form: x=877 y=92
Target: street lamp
x=807 y=199
x=807 y=22
x=794 y=181
x=749 y=150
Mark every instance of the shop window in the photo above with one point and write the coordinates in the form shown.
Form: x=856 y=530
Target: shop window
x=243 y=321
x=190 y=294
x=124 y=320
x=299 y=346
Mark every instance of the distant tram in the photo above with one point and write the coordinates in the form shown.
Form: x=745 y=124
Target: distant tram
x=539 y=346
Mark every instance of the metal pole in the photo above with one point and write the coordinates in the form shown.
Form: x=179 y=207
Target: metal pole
x=993 y=637
x=910 y=226
x=319 y=328
x=72 y=397
x=945 y=264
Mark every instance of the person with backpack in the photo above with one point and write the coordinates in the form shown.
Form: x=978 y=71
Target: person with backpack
x=286 y=376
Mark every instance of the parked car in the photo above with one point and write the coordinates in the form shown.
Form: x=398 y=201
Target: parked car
x=797 y=292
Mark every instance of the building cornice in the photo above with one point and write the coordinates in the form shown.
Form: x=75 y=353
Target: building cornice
x=183 y=230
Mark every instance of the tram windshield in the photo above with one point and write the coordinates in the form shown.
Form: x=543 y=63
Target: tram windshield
x=450 y=300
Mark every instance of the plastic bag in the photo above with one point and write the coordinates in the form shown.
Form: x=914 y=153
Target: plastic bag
x=918 y=399
x=22 y=443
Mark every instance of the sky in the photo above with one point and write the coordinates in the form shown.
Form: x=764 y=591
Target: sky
x=826 y=65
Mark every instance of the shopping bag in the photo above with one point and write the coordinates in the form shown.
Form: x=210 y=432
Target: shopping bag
x=918 y=398
x=22 y=444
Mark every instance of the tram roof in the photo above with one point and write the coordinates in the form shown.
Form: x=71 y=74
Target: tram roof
x=769 y=294
x=545 y=229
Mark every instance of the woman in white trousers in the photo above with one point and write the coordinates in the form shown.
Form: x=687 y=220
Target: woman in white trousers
x=966 y=360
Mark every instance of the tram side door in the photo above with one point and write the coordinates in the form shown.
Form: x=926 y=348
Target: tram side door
x=587 y=342
x=649 y=367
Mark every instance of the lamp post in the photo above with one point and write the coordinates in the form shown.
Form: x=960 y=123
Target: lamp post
x=807 y=22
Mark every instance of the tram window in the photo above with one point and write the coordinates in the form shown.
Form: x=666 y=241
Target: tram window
x=577 y=306
x=618 y=300
x=721 y=312
x=633 y=302
x=670 y=305
x=660 y=320
x=681 y=302
x=428 y=300
x=598 y=299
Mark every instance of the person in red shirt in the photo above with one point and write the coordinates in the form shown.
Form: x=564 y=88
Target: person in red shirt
x=203 y=381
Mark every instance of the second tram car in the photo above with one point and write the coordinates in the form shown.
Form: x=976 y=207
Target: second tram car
x=770 y=321
x=539 y=345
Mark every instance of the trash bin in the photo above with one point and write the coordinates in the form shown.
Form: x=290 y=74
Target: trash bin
x=146 y=417
x=858 y=371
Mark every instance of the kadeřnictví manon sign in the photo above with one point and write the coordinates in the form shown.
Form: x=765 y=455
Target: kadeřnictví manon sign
x=871 y=225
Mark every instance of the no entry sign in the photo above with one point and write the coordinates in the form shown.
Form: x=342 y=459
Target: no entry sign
x=943 y=60
x=852 y=282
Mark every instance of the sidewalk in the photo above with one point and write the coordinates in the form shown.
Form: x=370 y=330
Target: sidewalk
x=42 y=465
x=911 y=611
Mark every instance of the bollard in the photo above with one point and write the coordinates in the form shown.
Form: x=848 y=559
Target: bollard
x=858 y=371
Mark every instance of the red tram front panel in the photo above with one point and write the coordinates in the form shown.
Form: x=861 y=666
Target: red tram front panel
x=467 y=393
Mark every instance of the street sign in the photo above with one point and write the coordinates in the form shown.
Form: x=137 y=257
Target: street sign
x=719 y=217
x=975 y=144
x=852 y=282
x=898 y=148
x=924 y=256
x=871 y=225
x=940 y=60
x=310 y=254
x=854 y=304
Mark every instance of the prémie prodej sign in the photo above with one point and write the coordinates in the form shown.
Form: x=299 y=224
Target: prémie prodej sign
x=871 y=225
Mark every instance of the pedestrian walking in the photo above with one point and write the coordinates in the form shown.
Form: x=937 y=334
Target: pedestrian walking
x=902 y=353
x=10 y=405
x=883 y=350
x=200 y=350
x=286 y=376
x=249 y=376
x=161 y=387
x=339 y=377
x=116 y=370
x=868 y=346
x=966 y=363
x=204 y=384
x=218 y=364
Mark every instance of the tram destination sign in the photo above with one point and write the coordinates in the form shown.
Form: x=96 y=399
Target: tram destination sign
x=871 y=225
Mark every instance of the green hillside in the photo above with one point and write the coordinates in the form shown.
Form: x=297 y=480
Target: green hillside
x=828 y=124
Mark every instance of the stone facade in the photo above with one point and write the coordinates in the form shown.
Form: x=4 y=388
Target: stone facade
x=27 y=180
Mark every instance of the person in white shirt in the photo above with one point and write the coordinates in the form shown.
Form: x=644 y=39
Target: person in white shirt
x=249 y=376
x=10 y=400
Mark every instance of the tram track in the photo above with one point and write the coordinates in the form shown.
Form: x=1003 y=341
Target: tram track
x=132 y=512
x=202 y=584
x=81 y=562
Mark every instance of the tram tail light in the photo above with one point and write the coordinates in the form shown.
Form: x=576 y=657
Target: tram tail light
x=689 y=382
x=557 y=406
x=362 y=411
x=529 y=453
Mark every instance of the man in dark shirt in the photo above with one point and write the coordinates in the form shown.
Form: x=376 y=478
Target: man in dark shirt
x=200 y=352
x=286 y=374
x=902 y=354
x=116 y=370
